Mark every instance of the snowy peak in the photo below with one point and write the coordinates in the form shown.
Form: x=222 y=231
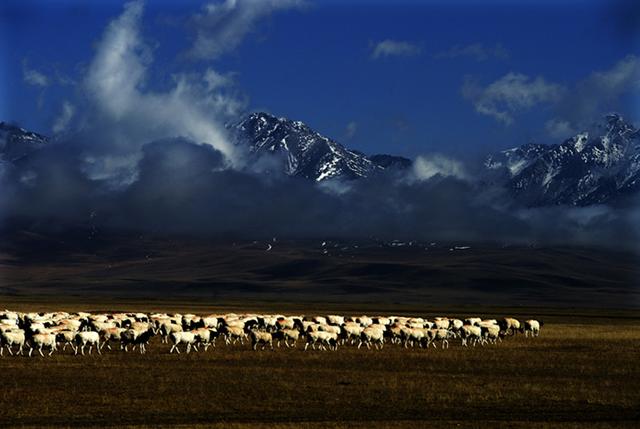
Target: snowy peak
x=307 y=153
x=593 y=167
x=16 y=142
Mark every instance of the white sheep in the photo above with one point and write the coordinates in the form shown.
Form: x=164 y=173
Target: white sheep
x=91 y=338
x=188 y=338
x=532 y=326
x=470 y=334
x=12 y=338
x=261 y=338
x=41 y=341
x=323 y=338
x=373 y=334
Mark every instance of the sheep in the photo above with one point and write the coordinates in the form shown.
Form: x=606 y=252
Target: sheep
x=206 y=336
x=233 y=334
x=335 y=320
x=473 y=321
x=439 y=335
x=491 y=333
x=510 y=325
x=111 y=334
x=66 y=336
x=397 y=332
x=455 y=326
x=285 y=323
x=373 y=334
x=188 y=338
x=351 y=332
x=42 y=340
x=136 y=338
x=415 y=336
x=166 y=328
x=323 y=338
x=83 y=338
x=285 y=335
x=532 y=326
x=442 y=323
x=263 y=338
x=470 y=333
x=12 y=338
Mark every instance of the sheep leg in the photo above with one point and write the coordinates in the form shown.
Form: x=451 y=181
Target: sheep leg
x=98 y=349
x=40 y=351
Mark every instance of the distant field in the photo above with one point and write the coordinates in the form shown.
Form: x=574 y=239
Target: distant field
x=581 y=372
x=369 y=271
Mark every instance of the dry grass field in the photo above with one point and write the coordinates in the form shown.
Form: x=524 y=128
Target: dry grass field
x=581 y=372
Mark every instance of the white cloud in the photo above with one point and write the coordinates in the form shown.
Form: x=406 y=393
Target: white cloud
x=600 y=92
x=426 y=167
x=511 y=93
x=477 y=51
x=222 y=26
x=350 y=130
x=559 y=129
x=195 y=107
x=34 y=77
x=388 y=48
x=62 y=121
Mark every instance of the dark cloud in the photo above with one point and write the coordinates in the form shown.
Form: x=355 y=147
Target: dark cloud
x=186 y=188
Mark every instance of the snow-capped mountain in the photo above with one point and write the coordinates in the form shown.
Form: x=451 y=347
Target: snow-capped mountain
x=596 y=166
x=305 y=152
x=16 y=142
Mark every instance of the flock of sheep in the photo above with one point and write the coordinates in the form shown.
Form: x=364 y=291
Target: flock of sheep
x=26 y=332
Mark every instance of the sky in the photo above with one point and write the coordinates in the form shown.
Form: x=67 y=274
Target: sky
x=401 y=77
x=137 y=96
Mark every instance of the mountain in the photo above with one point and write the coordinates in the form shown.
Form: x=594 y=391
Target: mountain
x=391 y=161
x=16 y=142
x=305 y=152
x=600 y=165
x=593 y=167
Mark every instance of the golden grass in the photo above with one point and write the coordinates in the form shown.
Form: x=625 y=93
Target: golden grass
x=574 y=375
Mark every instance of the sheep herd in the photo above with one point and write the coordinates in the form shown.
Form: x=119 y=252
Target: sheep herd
x=22 y=333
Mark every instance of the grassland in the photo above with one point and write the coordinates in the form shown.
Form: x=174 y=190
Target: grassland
x=581 y=372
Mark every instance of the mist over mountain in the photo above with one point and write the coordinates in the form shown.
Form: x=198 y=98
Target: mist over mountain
x=297 y=183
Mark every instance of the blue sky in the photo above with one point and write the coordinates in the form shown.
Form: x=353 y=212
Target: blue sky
x=407 y=77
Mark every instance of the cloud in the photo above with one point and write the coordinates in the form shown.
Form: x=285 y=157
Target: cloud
x=390 y=48
x=221 y=27
x=350 y=130
x=511 y=93
x=427 y=167
x=559 y=129
x=62 y=121
x=477 y=51
x=123 y=114
x=159 y=162
x=34 y=77
x=600 y=92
